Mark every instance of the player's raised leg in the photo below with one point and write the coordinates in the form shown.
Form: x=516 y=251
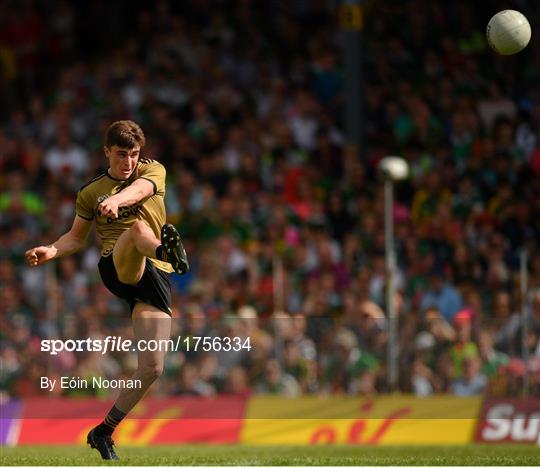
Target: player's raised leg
x=139 y=242
x=150 y=324
x=131 y=250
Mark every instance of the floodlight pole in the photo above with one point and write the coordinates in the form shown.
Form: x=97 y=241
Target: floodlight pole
x=351 y=21
x=393 y=352
x=279 y=301
x=524 y=319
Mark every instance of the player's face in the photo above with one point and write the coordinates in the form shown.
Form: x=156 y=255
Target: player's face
x=122 y=161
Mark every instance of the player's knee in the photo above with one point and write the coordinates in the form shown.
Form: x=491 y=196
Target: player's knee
x=152 y=372
x=156 y=371
x=138 y=227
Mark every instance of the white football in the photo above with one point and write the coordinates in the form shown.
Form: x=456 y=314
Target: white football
x=508 y=32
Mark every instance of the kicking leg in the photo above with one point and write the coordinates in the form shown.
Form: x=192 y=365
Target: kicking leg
x=149 y=323
x=139 y=242
x=131 y=250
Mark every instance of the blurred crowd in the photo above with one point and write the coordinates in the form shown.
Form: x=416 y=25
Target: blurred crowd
x=243 y=102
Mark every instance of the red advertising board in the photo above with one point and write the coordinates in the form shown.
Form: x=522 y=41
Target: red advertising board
x=228 y=420
x=509 y=420
x=154 y=421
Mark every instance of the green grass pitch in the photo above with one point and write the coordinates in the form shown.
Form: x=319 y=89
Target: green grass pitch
x=297 y=455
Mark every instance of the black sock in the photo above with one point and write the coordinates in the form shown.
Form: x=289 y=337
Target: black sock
x=108 y=425
x=159 y=252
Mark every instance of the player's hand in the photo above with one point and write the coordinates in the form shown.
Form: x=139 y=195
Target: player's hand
x=39 y=255
x=108 y=208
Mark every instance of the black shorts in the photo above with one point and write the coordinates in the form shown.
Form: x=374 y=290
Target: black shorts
x=154 y=288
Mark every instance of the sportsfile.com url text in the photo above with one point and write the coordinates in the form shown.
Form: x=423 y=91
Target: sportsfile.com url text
x=112 y=344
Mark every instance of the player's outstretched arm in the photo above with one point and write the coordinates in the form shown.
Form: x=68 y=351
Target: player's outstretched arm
x=71 y=242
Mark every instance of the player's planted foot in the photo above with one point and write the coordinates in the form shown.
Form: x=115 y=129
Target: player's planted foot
x=173 y=249
x=103 y=444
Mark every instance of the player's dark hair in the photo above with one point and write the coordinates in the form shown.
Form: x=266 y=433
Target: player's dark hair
x=124 y=134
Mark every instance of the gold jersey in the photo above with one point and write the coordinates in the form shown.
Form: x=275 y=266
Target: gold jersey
x=151 y=209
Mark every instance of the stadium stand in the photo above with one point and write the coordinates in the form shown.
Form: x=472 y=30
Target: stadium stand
x=246 y=114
